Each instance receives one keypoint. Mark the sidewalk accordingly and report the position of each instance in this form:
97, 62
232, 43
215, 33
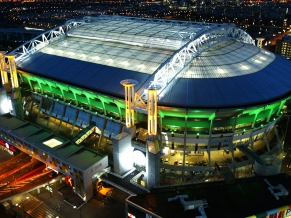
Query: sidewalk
70, 197
46, 204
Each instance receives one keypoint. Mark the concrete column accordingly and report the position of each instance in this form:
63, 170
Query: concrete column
73, 125
4, 76
266, 140
102, 132
152, 105
63, 114
260, 42
129, 98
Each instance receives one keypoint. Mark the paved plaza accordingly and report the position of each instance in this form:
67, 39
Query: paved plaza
44, 204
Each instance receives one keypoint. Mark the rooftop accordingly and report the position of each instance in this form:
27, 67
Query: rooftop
242, 198
98, 54
83, 158
75, 155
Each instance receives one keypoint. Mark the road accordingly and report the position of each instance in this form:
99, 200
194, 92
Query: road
273, 40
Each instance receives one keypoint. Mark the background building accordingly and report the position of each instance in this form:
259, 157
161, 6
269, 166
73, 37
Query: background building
283, 47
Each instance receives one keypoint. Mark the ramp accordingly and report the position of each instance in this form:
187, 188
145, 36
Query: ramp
251, 154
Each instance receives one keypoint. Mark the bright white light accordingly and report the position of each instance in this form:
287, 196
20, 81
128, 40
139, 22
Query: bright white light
52, 143
263, 58
5, 106
220, 70
96, 58
166, 150
245, 67
29, 28
258, 61
139, 158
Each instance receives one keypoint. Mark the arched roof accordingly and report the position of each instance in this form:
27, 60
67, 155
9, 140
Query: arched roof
199, 65
237, 77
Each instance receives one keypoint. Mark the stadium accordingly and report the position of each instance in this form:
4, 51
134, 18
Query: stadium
178, 97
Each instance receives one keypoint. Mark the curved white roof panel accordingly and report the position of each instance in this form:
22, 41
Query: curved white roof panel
229, 59
215, 71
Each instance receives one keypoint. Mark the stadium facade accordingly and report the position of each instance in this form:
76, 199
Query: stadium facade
155, 87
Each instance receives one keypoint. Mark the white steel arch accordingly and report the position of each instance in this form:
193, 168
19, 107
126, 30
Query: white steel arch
44, 39
203, 41
57, 33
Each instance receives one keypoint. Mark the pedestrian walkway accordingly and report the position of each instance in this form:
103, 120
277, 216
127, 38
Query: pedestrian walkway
71, 197
45, 204
28, 205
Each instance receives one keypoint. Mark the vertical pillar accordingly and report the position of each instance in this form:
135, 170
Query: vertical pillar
13, 71
260, 42
39, 108
51, 111
62, 116
152, 109
74, 123
277, 135
266, 140
129, 97
184, 146
16, 93
102, 132
280, 107
254, 120
4, 76
252, 142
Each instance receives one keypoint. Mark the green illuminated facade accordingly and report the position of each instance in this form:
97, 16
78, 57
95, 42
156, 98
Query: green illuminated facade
199, 130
